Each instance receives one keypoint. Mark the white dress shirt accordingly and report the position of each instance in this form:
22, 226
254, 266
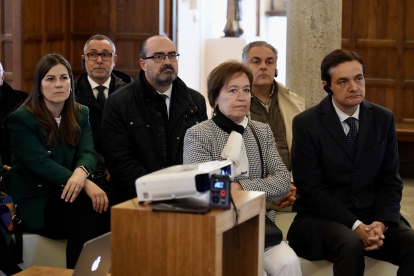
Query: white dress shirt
342, 117
94, 85
167, 99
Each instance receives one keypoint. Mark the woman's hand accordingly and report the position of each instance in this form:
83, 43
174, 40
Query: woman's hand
74, 185
100, 201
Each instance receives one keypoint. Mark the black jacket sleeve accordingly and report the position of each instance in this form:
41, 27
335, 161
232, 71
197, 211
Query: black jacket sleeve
122, 165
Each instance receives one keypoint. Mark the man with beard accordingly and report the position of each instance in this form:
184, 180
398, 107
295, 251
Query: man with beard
144, 122
100, 80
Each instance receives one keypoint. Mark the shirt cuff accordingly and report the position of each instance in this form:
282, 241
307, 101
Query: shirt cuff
356, 224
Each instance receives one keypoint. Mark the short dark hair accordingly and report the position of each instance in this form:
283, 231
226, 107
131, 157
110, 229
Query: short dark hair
99, 37
256, 44
221, 74
335, 58
142, 49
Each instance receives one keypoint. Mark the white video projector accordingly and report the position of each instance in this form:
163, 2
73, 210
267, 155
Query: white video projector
181, 181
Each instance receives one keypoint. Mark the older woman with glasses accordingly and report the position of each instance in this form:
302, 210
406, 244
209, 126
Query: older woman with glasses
52, 157
249, 144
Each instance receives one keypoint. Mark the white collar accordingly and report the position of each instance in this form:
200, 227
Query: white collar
167, 93
342, 116
94, 84
244, 122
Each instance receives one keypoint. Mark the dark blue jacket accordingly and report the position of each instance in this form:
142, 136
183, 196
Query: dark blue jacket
336, 185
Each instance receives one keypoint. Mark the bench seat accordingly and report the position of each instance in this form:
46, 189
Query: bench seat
41, 251
325, 268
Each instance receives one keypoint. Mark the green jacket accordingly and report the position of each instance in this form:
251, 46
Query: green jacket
39, 172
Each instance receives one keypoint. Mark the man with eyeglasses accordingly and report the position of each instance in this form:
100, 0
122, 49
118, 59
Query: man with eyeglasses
100, 80
145, 121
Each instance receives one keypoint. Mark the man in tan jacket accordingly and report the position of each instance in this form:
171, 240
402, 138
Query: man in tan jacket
272, 103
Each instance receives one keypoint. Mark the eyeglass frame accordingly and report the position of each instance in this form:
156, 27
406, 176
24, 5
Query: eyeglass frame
99, 55
165, 55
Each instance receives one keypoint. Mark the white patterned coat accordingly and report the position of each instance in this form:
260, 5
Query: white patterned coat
205, 142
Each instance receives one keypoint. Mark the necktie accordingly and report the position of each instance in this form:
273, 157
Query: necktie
165, 103
164, 109
352, 135
101, 97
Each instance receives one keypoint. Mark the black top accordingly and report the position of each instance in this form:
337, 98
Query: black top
10, 100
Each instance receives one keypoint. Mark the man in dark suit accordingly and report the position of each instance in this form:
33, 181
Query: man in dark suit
345, 165
10, 100
100, 80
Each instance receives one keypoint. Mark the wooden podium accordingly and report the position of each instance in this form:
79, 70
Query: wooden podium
166, 243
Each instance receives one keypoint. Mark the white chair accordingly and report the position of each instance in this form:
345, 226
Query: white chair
41, 251
316, 268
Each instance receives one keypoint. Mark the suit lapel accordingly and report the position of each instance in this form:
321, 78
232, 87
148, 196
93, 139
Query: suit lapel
365, 120
112, 87
90, 100
179, 103
331, 121
85, 94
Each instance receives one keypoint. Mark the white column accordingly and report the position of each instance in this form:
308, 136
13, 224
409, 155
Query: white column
314, 29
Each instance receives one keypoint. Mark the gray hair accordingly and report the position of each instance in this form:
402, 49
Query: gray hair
99, 37
253, 44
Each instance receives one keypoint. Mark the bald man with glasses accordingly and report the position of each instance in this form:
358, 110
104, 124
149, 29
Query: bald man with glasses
145, 121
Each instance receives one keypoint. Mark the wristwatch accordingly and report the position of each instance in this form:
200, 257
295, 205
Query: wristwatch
85, 170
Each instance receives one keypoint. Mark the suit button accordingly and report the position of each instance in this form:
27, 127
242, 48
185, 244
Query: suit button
49, 152
354, 199
39, 186
356, 169
131, 123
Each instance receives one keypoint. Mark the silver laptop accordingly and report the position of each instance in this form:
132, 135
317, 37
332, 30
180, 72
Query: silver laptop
95, 258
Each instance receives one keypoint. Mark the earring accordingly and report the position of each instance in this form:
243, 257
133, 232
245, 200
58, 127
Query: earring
215, 110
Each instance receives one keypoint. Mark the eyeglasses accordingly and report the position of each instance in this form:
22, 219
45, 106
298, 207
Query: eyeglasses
94, 56
159, 58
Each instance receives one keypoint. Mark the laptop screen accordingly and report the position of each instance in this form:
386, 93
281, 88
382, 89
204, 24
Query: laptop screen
95, 258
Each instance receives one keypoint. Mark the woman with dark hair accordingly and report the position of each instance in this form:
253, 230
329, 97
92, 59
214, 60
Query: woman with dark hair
249, 144
52, 157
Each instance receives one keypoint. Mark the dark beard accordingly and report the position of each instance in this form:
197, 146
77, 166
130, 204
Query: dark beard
166, 79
